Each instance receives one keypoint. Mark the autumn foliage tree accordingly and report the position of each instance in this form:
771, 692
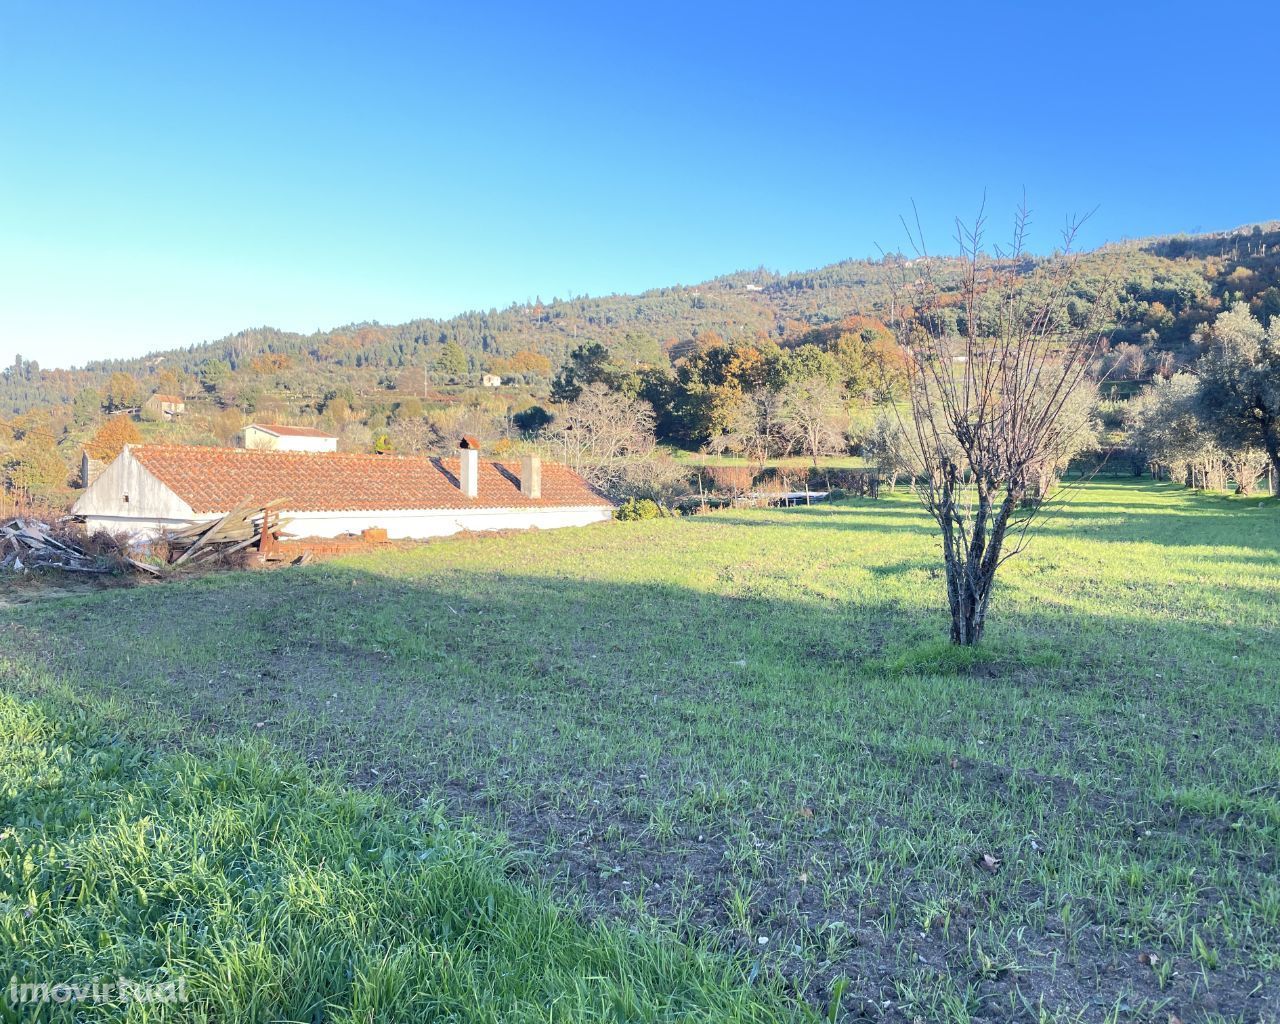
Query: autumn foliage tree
122, 392
34, 469
111, 437
524, 362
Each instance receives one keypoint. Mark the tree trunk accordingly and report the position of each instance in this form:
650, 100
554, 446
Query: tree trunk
971, 568
1271, 441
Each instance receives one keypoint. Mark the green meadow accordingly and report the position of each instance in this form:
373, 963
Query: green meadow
721, 768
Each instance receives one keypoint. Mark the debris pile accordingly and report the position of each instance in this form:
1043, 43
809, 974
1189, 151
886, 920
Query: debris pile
218, 540
30, 544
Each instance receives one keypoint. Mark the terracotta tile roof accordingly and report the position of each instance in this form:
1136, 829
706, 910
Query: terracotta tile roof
218, 479
283, 430
172, 399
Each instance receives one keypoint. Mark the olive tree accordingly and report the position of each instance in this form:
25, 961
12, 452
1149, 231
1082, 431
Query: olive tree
1179, 435
1240, 381
888, 448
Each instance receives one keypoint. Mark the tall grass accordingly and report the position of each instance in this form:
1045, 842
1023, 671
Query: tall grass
277, 895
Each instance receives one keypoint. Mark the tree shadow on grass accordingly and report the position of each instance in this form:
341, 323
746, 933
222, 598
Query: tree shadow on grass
1178, 521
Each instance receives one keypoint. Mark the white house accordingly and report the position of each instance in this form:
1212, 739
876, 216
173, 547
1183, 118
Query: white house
490, 380
150, 488
279, 437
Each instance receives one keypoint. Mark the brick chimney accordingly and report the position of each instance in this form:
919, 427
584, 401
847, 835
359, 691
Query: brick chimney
469, 475
531, 476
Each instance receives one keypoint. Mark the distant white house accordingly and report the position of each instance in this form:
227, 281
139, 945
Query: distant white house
490, 380
280, 437
150, 488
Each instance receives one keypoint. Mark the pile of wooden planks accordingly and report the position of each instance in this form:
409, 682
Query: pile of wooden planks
242, 527
27, 544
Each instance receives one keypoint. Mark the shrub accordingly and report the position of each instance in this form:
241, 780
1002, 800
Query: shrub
731, 479
635, 509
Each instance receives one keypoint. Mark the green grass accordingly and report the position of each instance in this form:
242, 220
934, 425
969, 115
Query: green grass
741, 728
274, 894
797, 462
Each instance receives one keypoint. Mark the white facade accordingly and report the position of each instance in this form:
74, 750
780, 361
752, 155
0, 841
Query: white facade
126, 498
400, 524
256, 436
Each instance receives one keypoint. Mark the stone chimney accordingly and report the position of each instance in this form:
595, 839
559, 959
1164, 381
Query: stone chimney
531, 476
469, 474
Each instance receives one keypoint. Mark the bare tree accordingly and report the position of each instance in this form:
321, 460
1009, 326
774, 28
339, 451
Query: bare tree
753, 428
987, 398
415, 434
813, 417
600, 433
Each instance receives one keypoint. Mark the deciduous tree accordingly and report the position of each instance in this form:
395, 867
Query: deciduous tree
123, 392
110, 438
813, 417
600, 433
987, 399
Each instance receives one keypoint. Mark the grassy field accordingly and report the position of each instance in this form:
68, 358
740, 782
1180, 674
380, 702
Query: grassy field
738, 729
245, 887
795, 462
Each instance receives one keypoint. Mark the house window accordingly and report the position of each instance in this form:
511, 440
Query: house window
126, 499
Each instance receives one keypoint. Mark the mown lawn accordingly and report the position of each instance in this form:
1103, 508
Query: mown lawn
742, 728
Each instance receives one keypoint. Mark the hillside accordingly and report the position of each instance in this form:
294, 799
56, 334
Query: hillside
708, 362
1161, 290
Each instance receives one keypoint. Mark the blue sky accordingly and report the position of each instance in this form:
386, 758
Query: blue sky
170, 173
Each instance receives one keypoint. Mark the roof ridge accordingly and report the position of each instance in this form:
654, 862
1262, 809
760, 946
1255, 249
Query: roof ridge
513, 460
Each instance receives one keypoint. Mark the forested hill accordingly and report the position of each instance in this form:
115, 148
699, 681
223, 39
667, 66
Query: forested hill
1162, 289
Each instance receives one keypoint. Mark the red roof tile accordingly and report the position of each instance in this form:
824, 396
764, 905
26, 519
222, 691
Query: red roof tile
218, 479
171, 399
282, 430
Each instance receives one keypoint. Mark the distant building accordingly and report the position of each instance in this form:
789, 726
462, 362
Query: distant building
151, 488
490, 380
282, 438
165, 406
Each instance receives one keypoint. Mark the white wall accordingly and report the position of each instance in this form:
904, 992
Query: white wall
257, 438
140, 528
418, 525
400, 525
126, 490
